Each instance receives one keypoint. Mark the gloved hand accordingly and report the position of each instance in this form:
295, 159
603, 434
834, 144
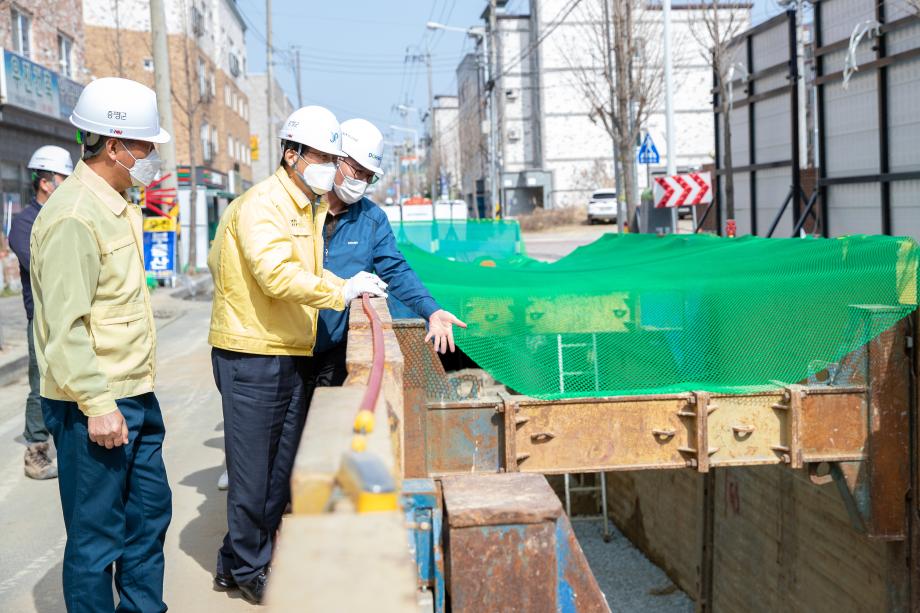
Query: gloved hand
361, 283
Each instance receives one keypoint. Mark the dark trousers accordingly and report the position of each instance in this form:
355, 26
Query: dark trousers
35, 431
117, 506
264, 405
328, 370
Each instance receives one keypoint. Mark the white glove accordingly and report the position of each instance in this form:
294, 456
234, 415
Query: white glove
364, 282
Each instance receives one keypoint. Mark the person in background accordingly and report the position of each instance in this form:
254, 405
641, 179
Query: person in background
95, 340
358, 238
49, 166
269, 281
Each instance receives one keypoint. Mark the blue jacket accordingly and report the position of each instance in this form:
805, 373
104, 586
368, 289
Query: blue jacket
363, 240
20, 233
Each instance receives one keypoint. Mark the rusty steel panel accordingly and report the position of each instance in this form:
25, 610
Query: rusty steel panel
577, 585
889, 427
604, 434
501, 542
509, 568
464, 437
746, 430
832, 426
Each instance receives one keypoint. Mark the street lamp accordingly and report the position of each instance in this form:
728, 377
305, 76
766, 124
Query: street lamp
414, 133
480, 33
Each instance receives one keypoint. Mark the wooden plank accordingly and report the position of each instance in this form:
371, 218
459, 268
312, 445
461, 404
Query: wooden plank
343, 562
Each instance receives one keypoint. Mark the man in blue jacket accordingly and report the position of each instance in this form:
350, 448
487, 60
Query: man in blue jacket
49, 166
357, 236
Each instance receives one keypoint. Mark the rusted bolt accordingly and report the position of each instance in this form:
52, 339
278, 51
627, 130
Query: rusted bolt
539, 437
742, 429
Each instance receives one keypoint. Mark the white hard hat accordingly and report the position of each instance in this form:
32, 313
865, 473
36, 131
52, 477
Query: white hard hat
315, 127
121, 108
363, 142
53, 159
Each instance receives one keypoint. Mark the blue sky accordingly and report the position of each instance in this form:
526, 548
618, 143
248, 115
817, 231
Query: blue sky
353, 51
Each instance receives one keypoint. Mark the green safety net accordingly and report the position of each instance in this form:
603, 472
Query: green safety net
469, 240
642, 314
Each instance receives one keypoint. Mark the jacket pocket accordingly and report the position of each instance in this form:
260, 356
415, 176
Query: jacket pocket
121, 338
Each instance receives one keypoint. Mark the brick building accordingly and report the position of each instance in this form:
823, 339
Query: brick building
41, 71
208, 72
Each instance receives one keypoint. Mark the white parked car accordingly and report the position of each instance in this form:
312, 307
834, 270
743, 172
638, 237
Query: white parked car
603, 206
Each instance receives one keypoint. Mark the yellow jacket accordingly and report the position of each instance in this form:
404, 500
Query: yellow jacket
95, 337
267, 265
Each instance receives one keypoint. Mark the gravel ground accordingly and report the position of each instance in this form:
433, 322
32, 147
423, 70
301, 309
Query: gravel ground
628, 579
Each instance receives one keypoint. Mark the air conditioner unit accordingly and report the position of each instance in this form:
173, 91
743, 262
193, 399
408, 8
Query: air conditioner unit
514, 134
511, 94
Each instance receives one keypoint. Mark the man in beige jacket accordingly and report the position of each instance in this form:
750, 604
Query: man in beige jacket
266, 262
96, 342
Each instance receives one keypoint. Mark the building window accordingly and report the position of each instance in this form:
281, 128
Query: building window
65, 55
22, 33
213, 86
197, 22
234, 65
148, 64
202, 80
227, 95
230, 146
206, 142
215, 141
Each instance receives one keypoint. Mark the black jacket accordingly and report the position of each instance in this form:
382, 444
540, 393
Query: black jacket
20, 232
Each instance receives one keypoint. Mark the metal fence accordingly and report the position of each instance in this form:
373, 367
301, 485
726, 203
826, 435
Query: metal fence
869, 127
764, 122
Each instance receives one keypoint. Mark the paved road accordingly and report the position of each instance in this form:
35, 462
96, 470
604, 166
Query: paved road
31, 526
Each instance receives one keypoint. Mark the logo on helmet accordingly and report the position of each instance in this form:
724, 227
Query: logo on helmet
116, 131
375, 157
334, 137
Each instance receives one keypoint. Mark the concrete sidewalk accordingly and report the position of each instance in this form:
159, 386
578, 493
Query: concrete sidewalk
14, 354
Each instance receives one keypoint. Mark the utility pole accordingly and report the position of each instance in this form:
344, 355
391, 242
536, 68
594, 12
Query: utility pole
669, 102
622, 210
432, 167
295, 49
162, 80
269, 85
494, 188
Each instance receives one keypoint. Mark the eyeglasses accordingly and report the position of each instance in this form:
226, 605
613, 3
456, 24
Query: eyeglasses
359, 172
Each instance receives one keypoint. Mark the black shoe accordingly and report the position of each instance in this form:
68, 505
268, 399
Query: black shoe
254, 590
224, 582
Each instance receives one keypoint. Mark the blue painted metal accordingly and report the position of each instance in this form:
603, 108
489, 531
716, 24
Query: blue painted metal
565, 593
422, 509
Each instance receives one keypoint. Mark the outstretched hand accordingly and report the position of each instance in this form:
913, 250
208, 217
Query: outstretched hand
441, 329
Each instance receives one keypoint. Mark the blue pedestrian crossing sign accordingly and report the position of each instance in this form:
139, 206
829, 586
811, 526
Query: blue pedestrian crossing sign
648, 152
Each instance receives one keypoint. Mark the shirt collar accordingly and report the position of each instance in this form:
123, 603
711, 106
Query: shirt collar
293, 191
96, 184
34, 202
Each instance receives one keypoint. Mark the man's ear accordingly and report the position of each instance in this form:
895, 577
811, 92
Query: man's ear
111, 148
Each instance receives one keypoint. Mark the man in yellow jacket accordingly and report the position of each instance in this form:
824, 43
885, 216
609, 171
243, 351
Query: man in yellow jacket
266, 262
95, 342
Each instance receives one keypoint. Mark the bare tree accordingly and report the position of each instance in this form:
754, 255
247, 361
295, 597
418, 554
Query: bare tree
716, 25
620, 77
193, 103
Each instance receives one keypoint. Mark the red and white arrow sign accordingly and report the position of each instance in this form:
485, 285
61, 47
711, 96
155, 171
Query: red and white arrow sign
682, 190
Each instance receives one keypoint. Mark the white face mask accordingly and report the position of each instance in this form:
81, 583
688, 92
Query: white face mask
144, 170
319, 177
351, 190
